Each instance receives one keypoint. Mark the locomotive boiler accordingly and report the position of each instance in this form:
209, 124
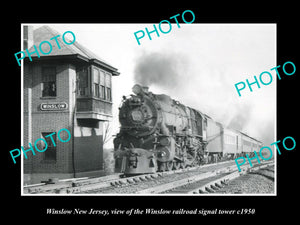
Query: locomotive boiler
158, 133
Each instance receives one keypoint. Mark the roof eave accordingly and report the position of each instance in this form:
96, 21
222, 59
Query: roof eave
105, 65
58, 57
112, 69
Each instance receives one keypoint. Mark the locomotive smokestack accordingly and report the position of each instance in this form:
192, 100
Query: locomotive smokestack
145, 89
140, 90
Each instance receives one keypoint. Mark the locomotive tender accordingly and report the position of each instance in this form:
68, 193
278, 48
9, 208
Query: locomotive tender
158, 133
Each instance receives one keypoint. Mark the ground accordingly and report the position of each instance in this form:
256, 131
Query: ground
249, 184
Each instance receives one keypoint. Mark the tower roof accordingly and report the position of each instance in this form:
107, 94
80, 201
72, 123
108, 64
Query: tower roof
45, 33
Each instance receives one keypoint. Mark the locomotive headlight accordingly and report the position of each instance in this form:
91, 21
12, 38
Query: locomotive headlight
165, 141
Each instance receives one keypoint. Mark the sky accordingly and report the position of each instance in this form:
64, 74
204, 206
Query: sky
196, 64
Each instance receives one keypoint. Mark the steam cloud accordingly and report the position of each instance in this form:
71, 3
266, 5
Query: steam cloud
160, 70
194, 83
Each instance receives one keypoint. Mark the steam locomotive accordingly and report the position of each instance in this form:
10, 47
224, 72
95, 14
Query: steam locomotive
158, 133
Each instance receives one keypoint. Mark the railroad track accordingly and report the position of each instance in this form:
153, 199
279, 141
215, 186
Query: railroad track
63, 185
199, 179
267, 172
133, 185
83, 185
205, 185
203, 180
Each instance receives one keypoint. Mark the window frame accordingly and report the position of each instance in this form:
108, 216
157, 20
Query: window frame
108, 87
83, 88
43, 82
103, 90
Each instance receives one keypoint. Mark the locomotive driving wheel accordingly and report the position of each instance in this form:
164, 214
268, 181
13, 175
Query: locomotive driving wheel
176, 165
191, 158
169, 166
182, 164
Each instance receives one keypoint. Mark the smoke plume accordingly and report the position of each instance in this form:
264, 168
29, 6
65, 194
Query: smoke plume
161, 70
205, 87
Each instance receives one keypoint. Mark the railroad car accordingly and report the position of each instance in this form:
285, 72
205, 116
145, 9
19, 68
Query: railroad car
158, 133
250, 145
214, 140
232, 143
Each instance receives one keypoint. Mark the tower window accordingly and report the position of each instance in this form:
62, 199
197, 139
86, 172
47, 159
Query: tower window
48, 82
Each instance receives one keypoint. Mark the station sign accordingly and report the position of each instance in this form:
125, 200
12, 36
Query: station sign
54, 106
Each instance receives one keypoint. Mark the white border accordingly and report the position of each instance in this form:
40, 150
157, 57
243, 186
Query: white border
162, 195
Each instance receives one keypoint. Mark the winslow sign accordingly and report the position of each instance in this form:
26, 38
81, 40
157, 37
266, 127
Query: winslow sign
53, 106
